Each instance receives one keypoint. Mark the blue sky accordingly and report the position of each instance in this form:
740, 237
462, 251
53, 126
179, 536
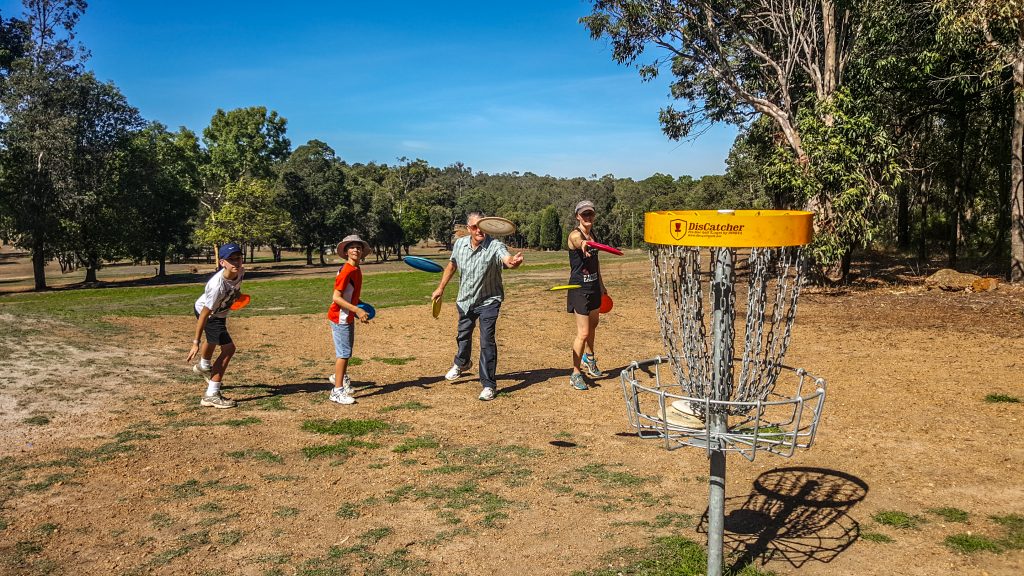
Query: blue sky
501, 87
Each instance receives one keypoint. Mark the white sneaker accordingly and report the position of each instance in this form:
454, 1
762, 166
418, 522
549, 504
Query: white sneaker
346, 383
487, 394
217, 401
455, 372
338, 395
206, 373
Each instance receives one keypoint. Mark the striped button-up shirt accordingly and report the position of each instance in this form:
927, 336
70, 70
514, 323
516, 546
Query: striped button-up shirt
479, 272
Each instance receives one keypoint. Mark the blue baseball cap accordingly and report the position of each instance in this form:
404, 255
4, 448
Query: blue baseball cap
227, 250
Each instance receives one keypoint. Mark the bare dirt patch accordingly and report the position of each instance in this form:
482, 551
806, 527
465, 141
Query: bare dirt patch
542, 480
59, 381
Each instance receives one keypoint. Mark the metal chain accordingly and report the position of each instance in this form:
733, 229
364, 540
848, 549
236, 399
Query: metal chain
772, 278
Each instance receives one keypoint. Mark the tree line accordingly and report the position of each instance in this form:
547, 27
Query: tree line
898, 123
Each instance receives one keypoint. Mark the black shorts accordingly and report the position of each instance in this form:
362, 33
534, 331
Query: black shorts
216, 330
582, 302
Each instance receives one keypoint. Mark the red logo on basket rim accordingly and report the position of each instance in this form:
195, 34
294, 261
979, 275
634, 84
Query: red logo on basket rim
677, 228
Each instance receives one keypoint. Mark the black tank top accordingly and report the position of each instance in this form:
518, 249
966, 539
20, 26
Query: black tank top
584, 270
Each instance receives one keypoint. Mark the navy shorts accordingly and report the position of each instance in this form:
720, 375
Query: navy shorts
216, 330
582, 302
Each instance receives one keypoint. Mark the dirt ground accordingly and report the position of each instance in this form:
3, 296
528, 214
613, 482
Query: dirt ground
128, 475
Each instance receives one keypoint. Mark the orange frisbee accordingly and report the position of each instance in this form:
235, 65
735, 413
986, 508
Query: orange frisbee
241, 302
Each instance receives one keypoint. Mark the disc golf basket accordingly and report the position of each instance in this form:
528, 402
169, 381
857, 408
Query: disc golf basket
726, 285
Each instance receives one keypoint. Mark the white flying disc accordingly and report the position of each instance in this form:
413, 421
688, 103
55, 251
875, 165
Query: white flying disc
495, 226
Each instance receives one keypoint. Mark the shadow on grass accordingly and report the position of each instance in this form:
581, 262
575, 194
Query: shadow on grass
528, 378
522, 380
282, 390
794, 514
421, 382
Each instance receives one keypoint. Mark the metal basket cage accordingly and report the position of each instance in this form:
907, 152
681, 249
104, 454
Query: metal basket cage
779, 424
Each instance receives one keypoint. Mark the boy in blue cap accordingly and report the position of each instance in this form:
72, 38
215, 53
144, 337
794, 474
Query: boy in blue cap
211, 310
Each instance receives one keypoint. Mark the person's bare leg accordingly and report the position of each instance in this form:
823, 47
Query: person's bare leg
207, 351
593, 319
340, 369
221, 364
582, 337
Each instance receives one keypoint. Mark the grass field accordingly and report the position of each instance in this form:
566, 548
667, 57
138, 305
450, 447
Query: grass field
108, 465
279, 297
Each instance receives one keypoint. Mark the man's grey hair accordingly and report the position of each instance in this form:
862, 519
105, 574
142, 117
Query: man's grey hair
474, 214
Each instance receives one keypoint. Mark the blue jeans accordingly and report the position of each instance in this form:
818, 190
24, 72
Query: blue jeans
488, 317
344, 335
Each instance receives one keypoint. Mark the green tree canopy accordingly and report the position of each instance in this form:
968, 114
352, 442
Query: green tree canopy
161, 182
313, 193
550, 229
38, 114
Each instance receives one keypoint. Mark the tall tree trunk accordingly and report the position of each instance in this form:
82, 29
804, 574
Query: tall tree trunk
903, 217
90, 273
1017, 175
309, 255
163, 262
845, 263
956, 204
922, 243
38, 265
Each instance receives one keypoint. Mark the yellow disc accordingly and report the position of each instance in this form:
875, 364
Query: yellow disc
728, 228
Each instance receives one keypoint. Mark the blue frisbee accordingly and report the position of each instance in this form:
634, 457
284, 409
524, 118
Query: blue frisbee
370, 312
422, 264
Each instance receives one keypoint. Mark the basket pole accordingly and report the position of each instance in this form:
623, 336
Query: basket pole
717, 417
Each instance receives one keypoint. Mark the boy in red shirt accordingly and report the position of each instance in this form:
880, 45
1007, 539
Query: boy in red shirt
343, 312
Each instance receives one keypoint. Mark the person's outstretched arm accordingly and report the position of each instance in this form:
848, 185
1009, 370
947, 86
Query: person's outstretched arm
446, 276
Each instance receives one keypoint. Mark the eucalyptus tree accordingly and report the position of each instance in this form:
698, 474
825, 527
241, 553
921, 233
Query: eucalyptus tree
37, 111
161, 180
314, 194
250, 213
550, 229
244, 143
996, 28
95, 229
783, 59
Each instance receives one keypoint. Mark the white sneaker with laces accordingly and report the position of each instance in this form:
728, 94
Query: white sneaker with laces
338, 395
487, 394
346, 383
455, 372
217, 401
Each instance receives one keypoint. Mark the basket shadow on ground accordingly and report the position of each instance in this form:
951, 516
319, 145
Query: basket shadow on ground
797, 514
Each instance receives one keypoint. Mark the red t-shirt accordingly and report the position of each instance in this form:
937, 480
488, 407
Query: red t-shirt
349, 282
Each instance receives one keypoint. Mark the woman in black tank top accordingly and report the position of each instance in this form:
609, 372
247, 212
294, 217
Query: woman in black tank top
584, 302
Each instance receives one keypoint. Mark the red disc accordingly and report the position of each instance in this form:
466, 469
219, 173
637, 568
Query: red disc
241, 302
606, 304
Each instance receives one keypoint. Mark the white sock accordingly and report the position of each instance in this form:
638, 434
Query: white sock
212, 388
204, 363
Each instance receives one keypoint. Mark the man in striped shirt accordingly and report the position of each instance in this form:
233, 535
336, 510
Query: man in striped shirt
479, 260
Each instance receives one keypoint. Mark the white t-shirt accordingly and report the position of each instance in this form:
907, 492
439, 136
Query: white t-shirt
219, 294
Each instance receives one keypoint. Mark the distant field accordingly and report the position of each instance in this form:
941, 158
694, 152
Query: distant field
285, 295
